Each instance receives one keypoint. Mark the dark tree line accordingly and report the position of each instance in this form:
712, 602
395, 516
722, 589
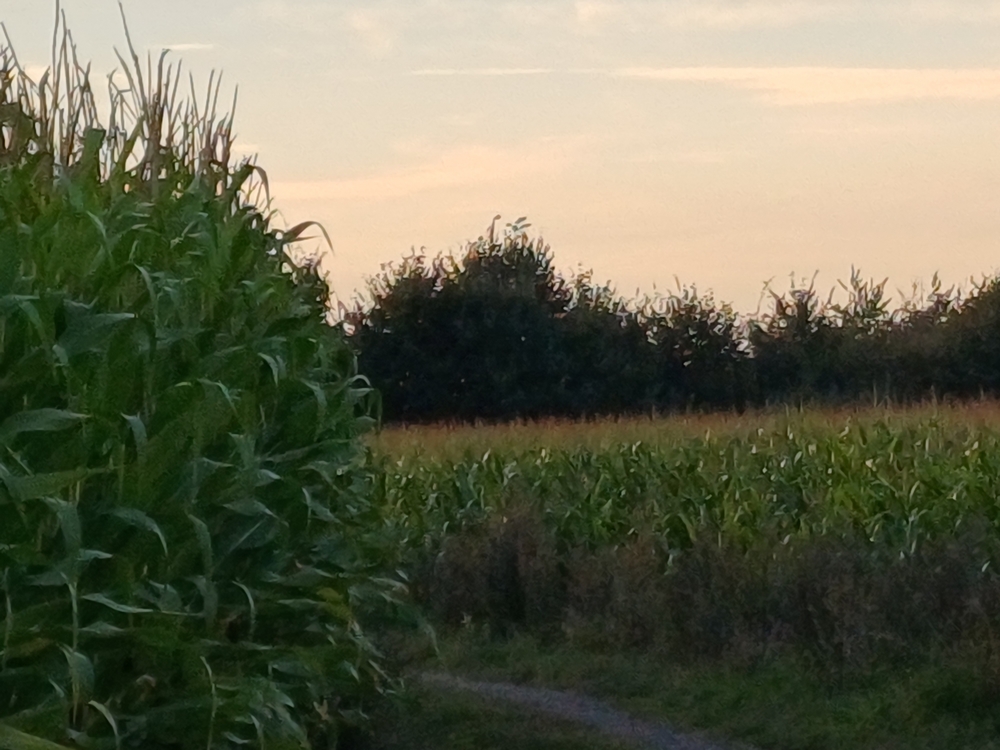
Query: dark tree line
500, 334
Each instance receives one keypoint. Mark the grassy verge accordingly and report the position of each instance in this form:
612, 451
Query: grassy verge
778, 705
427, 719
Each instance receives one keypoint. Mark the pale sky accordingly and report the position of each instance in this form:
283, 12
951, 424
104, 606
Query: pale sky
724, 142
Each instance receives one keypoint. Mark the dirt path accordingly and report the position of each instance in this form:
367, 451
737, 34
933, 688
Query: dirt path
576, 708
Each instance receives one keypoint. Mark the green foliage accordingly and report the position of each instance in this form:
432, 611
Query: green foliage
500, 334
455, 721
183, 518
782, 705
467, 339
893, 480
853, 546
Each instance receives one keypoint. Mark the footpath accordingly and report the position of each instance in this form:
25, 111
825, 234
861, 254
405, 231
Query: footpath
579, 709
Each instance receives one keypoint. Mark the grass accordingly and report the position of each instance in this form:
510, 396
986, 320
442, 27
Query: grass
781, 705
442, 720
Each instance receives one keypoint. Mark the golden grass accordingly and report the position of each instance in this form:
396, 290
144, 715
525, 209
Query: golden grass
452, 441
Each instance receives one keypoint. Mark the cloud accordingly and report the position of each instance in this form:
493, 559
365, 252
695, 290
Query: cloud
699, 157
599, 12
596, 15
272, 10
531, 13
737, 14
826, 126
461, 166
245, 149
825, 85
183, 46
373, 31
673, 156
979, 11
730, 14
479, 71
303, 16
796, 85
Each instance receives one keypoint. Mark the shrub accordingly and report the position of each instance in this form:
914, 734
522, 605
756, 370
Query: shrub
500, 334
182, 505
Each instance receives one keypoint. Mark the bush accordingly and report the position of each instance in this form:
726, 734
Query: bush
499, 335
183, 513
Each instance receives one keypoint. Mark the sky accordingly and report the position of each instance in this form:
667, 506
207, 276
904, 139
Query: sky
719, 143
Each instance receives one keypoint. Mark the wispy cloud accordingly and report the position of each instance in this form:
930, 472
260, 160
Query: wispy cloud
373, 30
183, 46
827, 85
978, 11
531, 14
461, 166
737, 14
596, 15
734, 15
480, 71
591, 13
272, 10
796, 85
699, 157
245, 149
848, 124
675, 156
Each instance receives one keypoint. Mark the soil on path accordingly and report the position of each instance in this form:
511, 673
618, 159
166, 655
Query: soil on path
577, 708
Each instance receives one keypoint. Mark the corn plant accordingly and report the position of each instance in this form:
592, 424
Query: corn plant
896, 482
183, 515
859, 545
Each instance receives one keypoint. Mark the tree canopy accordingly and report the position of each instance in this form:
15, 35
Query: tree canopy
499, 333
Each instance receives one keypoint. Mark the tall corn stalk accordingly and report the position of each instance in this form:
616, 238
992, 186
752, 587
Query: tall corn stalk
185, 533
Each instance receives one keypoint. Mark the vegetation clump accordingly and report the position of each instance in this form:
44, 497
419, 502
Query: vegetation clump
499, 334
183, 526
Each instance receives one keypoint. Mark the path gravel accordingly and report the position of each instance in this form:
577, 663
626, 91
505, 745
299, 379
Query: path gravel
577, 708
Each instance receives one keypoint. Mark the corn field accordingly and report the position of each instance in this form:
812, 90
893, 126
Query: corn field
897, 481
856, 537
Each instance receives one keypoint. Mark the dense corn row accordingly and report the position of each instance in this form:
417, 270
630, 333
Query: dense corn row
897, 480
